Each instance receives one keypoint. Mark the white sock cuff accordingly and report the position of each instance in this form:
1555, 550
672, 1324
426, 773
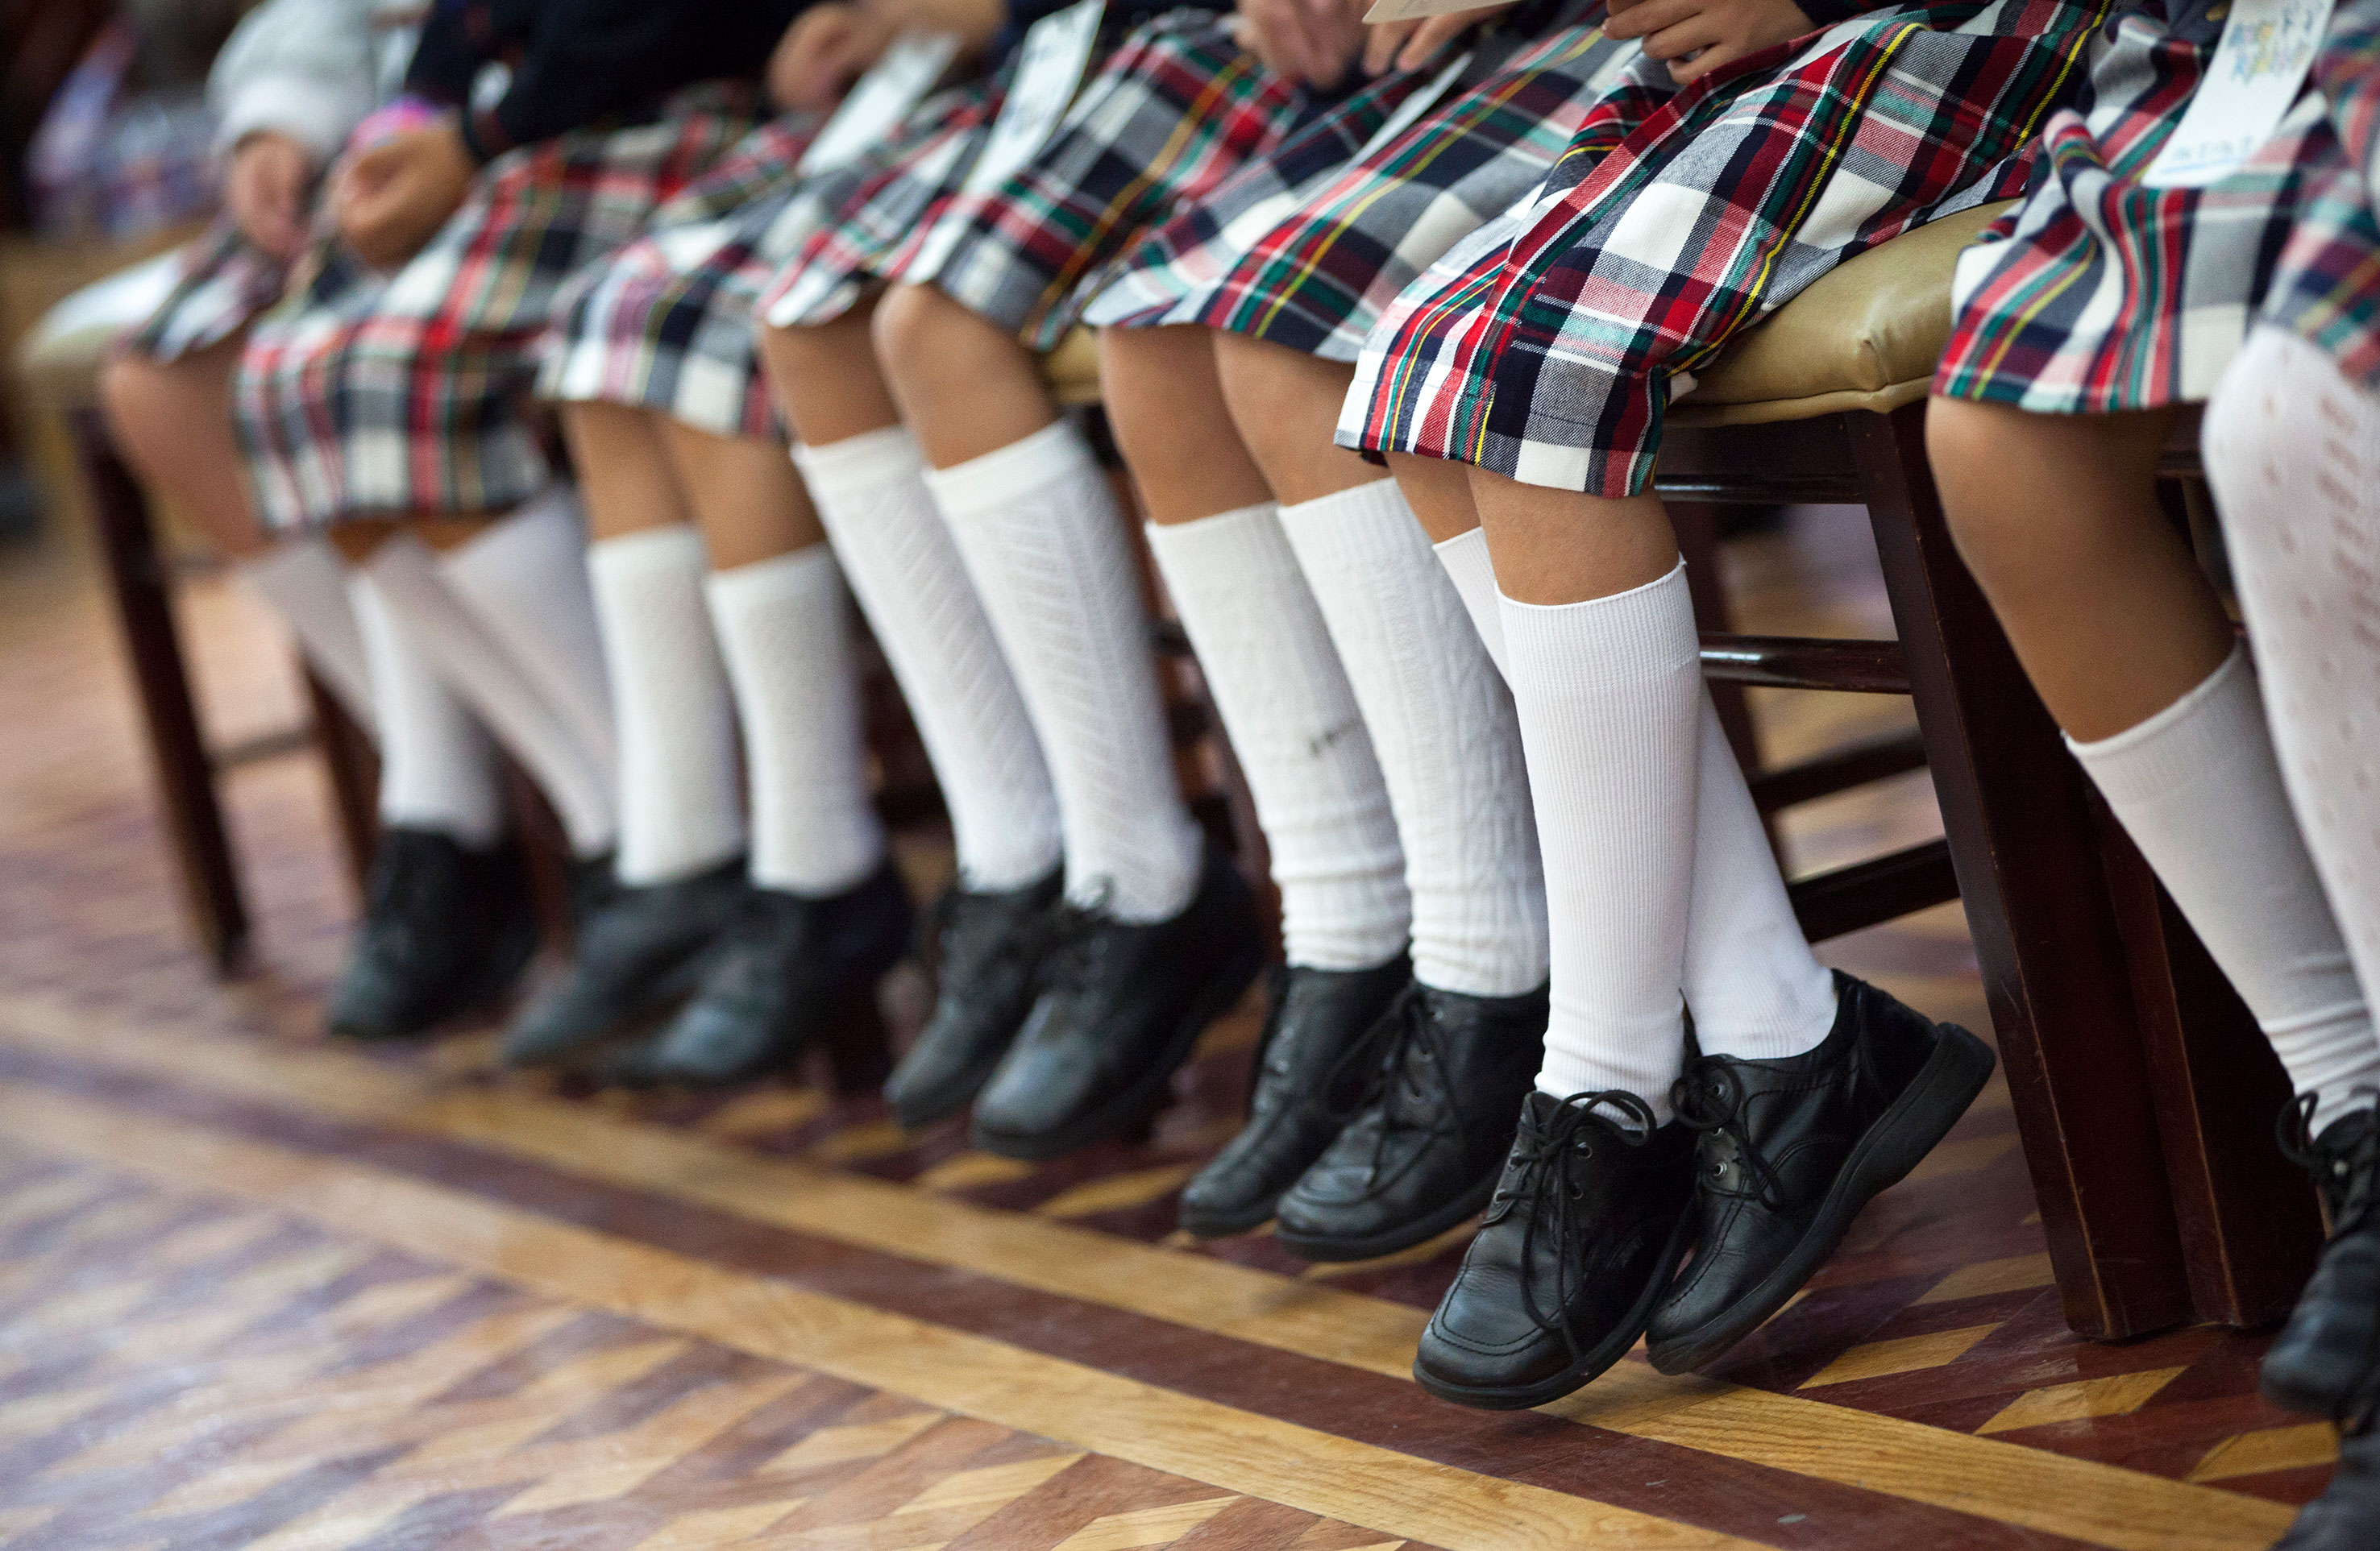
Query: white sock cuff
2217, 720
1221, 534
677, 546
865, 462
1637, 632
1466, 559
1379, 502
555, 516
998, 479
804, 573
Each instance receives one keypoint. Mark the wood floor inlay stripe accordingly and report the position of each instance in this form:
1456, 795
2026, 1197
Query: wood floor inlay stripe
2100, 1504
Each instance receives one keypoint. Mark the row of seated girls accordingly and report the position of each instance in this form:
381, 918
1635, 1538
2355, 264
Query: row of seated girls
1389, 318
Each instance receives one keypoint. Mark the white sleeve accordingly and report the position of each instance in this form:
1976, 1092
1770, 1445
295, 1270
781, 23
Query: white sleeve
301, 68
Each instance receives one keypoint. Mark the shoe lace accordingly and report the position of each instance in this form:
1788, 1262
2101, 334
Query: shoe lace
401, 893
2355, 1170
1709, 1099
1537, 1179
1406, 1034
1071, 961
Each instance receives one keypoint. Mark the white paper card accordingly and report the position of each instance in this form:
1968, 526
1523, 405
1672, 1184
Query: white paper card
2266, 49
1409, 112
882, 99
1049, 65
1414, 10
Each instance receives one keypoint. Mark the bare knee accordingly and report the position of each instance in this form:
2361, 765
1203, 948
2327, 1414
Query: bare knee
2031, 498
172, 422
1286, 406
824, 377
923, 335
1166, 407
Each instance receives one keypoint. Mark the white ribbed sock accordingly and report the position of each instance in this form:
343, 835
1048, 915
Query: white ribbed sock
1295, 726
437, 769
1608, 696
305, 582
466, 653
2197, 789
905, 568
1038, 527
2293, 451
1756, 990
681, 806
1442, 724
787, 631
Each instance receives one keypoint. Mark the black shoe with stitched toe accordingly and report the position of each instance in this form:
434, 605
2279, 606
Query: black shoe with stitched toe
1790, 1150
1305, 1090
2325, 1361
783, 974
1121, 1005
2346, 1516
1587, 1225
446, 930
1425, 1148
992, 947
640, 950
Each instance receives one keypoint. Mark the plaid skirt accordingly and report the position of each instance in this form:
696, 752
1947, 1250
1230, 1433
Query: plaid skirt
1543, 347
1309, 246
2101, 293
226, 282
370, 394
1174, 111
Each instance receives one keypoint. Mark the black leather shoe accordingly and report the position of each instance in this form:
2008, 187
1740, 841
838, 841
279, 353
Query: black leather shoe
1587, 1227
992, 951
1120, 1008
2325, 1361
1789, 1152
1307, 1090
779, 980
2346, 1516
446, 930
1430, 1136
640, 950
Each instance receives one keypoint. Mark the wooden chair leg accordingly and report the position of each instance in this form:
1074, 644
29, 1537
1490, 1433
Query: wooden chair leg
352, 762
2039, 909
144, 607
1697, 526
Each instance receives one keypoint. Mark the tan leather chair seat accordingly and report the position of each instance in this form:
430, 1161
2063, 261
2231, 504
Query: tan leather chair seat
1071, 370
59, 360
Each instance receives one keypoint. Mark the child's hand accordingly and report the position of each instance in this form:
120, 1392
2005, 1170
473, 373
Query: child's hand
264, 190
974, 21
828, 47
1699, 36
1309, 41
392, 199
1409, 45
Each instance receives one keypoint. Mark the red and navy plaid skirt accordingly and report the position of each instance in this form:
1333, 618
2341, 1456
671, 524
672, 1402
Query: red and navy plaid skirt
1543, 348
366, 393
224, 281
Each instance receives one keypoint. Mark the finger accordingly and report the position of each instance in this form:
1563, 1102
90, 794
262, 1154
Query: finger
1703, 63
1647, 17
1380, 49
1676, 42
1430, 39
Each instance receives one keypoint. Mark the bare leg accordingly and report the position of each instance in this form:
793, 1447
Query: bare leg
1165, 403
745, 494
172, 422
1286, 404
2058, 516
1439, 493
826, 379
624, 473
1554, 547
964, 384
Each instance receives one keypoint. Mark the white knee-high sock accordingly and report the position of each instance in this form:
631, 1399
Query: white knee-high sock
1441, 723
1284, 697
306, 583
681, 802
479, 666
437, 769
2290, 450
1039, 531
787, 631
1756, 990
905, 568
1608, 693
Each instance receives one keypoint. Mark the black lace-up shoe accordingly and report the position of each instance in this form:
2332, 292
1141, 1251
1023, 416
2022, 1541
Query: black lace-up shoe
1789, 1152
779, 980
1120, 1006
2326, 1360
446, 930
2346, 1516
1307, 1089
991, 949
1587, 1227
1425, 1149
640, 950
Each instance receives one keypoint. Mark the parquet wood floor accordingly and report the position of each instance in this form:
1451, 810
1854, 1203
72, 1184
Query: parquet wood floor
257, 1289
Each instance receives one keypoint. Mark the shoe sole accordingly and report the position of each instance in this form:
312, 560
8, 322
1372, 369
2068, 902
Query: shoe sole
1591, 1364
1470, 1203
1226, 1224
1222, 990
1899, 1141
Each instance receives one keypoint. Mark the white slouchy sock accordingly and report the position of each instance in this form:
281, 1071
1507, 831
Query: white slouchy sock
786, 632
1299, 737
437, 768
305, 582
681, 804
1441, 723
1045, 543
1755, 988
905, 568
1609, 695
